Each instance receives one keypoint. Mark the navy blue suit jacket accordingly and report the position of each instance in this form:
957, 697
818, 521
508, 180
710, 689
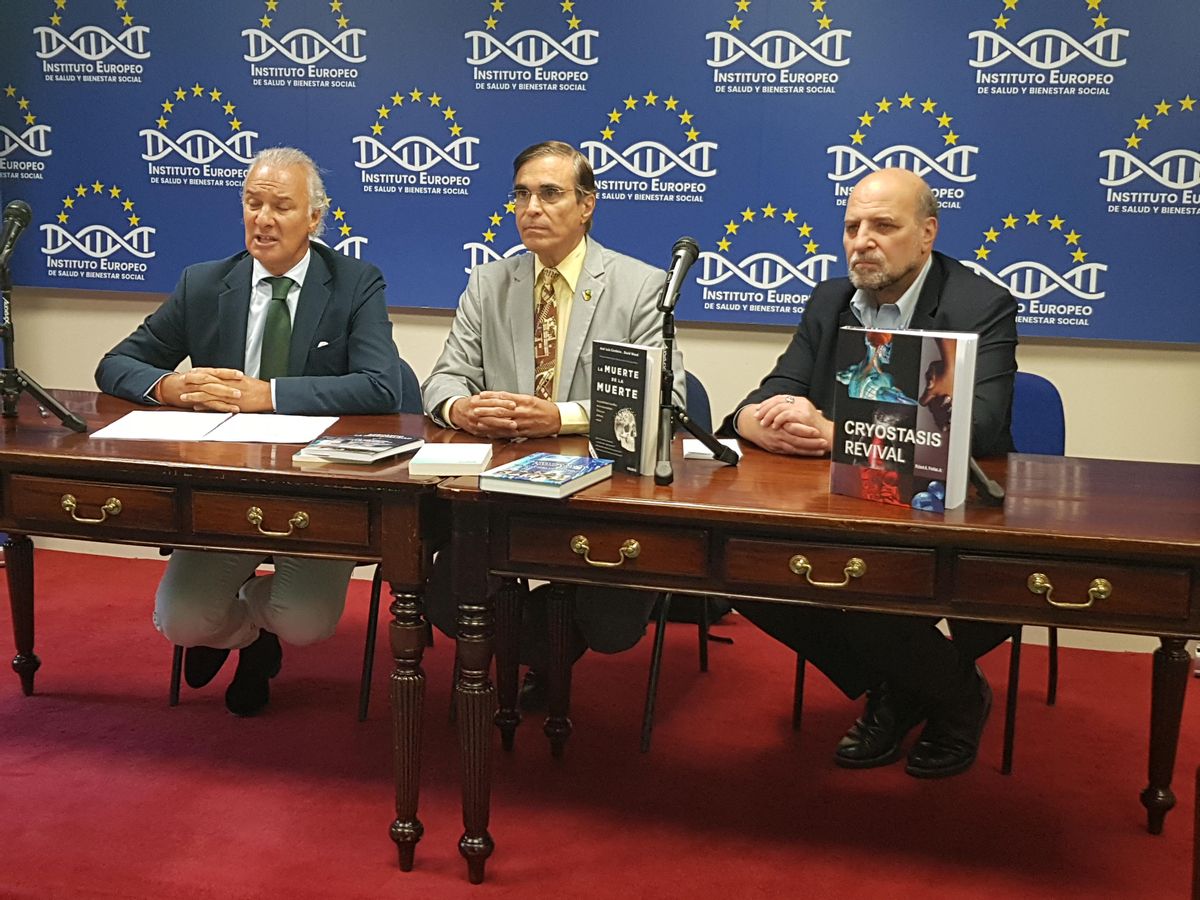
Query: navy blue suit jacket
342, 359
953, 298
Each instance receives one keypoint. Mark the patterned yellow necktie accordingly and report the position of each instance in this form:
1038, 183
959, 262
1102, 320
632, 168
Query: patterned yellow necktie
545, 335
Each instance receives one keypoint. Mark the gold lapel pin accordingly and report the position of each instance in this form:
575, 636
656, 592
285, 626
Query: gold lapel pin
587, 295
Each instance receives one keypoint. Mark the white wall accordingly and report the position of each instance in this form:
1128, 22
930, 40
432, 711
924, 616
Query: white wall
1122, 401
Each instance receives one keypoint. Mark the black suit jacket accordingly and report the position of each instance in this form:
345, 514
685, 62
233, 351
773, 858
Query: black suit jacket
342, 358
953, 299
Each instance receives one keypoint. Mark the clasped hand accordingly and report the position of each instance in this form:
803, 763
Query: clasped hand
215, 389
499, 414
786, 424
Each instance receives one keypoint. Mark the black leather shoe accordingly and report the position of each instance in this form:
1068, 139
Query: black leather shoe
201, 664
250, 690
535, 696
875, 738
950, 741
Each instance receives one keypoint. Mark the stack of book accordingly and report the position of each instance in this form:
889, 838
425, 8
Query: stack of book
356, 448
546, 475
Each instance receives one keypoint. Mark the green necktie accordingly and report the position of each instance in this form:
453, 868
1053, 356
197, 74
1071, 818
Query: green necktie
277, 331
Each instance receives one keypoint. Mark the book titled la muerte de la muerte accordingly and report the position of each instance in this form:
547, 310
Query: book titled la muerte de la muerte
902, 416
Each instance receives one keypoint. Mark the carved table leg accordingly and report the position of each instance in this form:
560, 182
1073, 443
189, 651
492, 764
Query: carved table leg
474, 692
18, 554
1166, 710
508, 622
561, 615
406, 634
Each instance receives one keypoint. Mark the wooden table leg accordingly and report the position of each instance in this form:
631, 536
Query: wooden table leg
1196, 843
560, 609
509, 600
1171, 669
474, 692
407, 638
18, 555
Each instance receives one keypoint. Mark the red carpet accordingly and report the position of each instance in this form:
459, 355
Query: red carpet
107, 792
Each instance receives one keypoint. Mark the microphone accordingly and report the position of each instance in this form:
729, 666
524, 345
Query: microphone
683, 254
17, 216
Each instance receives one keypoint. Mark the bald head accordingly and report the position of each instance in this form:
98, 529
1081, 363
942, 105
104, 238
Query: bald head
891, 223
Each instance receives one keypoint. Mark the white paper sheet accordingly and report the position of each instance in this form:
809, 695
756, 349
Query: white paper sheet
271, 428
184, 425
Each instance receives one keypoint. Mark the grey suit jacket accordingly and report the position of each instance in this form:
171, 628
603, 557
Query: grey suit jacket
490, 346
342, 360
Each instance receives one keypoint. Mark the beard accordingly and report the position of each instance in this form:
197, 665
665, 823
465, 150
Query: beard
878, 278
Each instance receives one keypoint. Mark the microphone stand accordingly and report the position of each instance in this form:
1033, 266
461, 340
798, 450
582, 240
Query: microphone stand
12, 380
670, 413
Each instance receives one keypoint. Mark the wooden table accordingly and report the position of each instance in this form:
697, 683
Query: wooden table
182, 494
1116, 546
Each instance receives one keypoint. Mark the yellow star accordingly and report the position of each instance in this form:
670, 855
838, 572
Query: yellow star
731, 227
630, 103
789, 215
1100, 21
80, 190
134, 220
692, 134
127, 20
339, 214
215, 95
824, 22
857, 137
456, 130
866, 119
614, 116
180, 94
69, 202
1010, 4
1072, 237
510, 207
449, 113
743, 5
383, 112
168, 106
265, 21
1133, 141
884, 105
811, 247
734, 24
498, 5
345, 230
685, 118
818, 5
114, 192
670, 103
162, 122
1001, 22
60, 4
928, 106
1010, 221
1142, 122
1056, 223
981, 252
1093, 4
490, 23
335, 6
30, 118
747, 215
489, 236
271, 4
724, 244
342, 21
991, 234
1033, 217
1078, 256
376, 129
496, 219
951, 138
197, 91
650, 98
567, 5
10, 91
768, 211
944, 120
97, 187
1163, 107
229, 108
573, 22
120, 4
397, 99
906, 101
126, 204
415, 94
56, 19
235, 124
22, 103
805, 229
607, 134
435, 99
1187, 103
63, 217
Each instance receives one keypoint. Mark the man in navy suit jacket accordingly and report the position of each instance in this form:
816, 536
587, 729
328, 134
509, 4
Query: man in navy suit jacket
340, 360
908, 669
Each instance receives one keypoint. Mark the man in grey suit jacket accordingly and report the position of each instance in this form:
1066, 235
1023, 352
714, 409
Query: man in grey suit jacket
490, 380
287, 326
909, 671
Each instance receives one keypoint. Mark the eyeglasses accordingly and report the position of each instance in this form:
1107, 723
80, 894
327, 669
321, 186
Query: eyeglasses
547, 196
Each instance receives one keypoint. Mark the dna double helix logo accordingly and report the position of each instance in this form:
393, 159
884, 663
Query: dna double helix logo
1031, 280
91, 42
952, 164
199, 149
1049, 49
757, 281
777, 49
87, 239
1175, 170
24, 142
526, 53
304, 46
485, 250
532, 48
346, 241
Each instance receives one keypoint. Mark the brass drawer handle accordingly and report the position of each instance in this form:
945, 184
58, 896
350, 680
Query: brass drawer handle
855, 568
111, 507
254, 516
1099, 589
628, 550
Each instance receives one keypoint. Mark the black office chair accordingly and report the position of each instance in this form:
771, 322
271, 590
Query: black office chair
1038, 426
410, 402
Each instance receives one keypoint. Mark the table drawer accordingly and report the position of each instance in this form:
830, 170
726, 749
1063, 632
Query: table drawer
984, 581
60, 503
771, 565
549, 541
308, 520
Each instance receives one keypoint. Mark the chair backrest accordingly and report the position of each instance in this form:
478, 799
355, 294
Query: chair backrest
1038, 423
410, 389
698, 408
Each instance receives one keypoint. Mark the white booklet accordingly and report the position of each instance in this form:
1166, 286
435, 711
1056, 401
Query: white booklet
185, 425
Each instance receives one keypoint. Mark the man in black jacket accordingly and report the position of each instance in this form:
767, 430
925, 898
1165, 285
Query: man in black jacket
910, 672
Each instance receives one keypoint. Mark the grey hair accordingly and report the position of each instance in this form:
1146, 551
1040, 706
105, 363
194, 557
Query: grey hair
927, 205
290, 156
